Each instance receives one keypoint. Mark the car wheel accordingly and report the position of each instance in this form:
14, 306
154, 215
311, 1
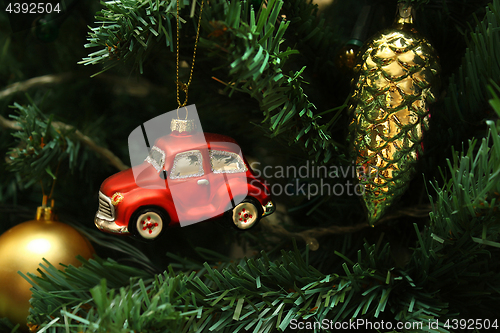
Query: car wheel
149, 223
246, 214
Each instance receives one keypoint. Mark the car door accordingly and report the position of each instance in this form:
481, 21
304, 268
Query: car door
189, 187
227, 177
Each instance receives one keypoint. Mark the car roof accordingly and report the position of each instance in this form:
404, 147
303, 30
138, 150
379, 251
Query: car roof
175, 143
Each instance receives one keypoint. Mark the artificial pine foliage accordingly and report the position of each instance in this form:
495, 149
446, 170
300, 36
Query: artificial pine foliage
265, 74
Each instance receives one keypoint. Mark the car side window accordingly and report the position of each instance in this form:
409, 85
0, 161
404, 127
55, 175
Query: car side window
187, 164
156, 158
226, 162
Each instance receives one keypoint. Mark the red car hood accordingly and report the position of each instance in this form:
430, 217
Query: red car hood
143, 175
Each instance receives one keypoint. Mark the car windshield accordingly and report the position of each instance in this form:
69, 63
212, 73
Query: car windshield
156, 158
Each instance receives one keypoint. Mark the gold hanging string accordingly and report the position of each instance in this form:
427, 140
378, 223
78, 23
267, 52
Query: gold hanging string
181, 85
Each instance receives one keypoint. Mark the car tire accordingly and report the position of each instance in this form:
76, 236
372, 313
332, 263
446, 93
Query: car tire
246, 214
149, 223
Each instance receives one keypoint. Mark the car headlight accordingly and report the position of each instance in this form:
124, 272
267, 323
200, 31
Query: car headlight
116, 198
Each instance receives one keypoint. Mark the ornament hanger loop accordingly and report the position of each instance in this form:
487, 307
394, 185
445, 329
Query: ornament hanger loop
186, 112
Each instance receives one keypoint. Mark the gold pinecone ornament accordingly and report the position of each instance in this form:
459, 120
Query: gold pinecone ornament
396, 75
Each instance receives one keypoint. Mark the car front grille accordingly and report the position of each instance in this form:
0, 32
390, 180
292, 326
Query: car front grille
106, 210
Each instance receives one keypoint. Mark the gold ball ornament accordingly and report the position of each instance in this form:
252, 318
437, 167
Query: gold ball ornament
22, 248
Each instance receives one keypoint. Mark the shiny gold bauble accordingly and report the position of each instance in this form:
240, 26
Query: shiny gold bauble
22, 249
396, 80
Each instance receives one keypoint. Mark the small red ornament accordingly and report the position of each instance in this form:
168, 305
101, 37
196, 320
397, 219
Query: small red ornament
188, 177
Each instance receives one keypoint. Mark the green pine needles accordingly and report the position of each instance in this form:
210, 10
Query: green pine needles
42, 146
257, 66
470, 198
257, 295
467, 93
129, 30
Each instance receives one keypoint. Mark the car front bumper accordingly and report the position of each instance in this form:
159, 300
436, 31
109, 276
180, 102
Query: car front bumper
105, 218
110, 226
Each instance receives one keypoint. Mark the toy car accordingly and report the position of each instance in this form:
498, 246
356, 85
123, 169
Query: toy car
185, 179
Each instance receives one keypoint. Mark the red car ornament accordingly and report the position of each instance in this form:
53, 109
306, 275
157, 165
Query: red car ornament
187, 177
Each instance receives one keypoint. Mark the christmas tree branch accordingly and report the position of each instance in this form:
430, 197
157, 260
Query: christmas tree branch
128, 30
312, 235
46, 143
466, 101
140, 87
102, 152
7, 326
257, 294
55, 290
316, 37
35, 82
9, 124
255, 63
471, 195
465, 220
